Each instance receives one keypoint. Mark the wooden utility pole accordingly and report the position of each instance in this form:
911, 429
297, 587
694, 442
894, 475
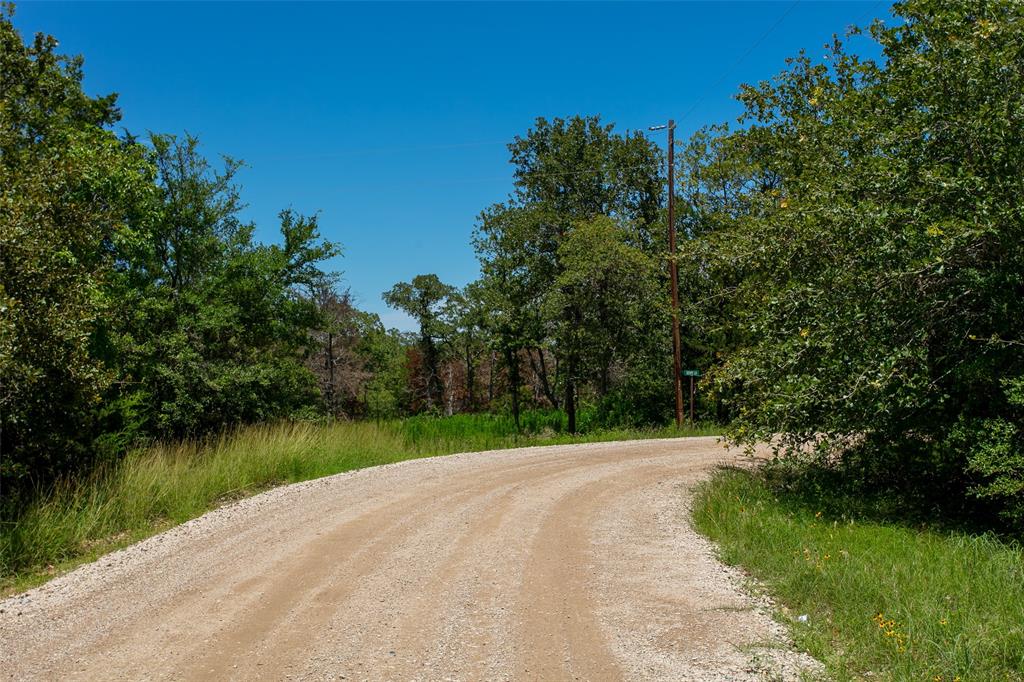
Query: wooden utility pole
673, 271
329, 366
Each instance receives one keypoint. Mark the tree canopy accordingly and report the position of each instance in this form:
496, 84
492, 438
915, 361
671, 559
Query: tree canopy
863, 229
135, 303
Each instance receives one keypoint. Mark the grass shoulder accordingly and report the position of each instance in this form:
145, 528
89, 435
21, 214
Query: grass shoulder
883, 600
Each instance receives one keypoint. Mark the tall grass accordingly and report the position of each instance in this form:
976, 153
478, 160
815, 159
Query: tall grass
883, 600
164, 485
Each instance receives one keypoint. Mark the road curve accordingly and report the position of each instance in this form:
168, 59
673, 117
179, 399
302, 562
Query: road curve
551, 563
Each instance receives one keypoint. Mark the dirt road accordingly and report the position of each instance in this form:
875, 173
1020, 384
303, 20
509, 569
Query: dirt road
566, 562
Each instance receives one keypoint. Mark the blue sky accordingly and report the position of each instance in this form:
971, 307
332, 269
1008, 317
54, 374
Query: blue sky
390, 119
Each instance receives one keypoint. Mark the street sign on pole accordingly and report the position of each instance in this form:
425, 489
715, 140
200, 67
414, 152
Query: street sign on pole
693, 374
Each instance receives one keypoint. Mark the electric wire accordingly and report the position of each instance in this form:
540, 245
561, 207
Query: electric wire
747, 53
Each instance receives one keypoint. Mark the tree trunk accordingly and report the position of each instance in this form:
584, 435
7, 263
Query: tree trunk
470, 379
512, 360
329, 362
430, 365
542, 372
570, 400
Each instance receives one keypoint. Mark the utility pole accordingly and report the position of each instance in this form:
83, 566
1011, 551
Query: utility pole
329, 362
673, 271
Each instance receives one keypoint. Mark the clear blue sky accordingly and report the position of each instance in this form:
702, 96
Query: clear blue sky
390, 119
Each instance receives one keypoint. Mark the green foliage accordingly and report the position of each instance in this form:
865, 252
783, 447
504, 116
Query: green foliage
427, 299
867, 249
994, 449
885, 601
383, 356
134, 302
551, 292
578, 169
218, 324
616, 299
68, 189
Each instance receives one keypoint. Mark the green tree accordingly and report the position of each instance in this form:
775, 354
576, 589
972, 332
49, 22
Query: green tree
70, 193
568, 171
879, 279
217, 325
509, 289
467, 310
426, 299
383, 354
720, 182
616, 293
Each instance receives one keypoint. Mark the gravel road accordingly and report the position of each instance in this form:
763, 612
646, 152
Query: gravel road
551, 563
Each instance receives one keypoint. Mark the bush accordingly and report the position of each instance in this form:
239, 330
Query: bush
994, 450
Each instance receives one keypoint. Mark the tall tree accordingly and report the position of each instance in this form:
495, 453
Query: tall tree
425, 299
216, 325
570, 171
616, 291
511, 287
880, 281
133, 300
468, 313
70, 198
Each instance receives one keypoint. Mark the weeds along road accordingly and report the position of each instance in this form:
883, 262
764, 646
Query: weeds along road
564, 562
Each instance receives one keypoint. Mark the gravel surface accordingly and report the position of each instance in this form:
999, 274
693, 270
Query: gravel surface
551, 563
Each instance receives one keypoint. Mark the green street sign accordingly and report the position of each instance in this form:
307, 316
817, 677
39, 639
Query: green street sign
691, 372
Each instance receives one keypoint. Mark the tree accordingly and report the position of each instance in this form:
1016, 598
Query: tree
468, 312
425, 299
720, 182
567, 171
383, 355
879, 278
578, 168
70, 193
216, 326
616, 293
335, 359
134, 302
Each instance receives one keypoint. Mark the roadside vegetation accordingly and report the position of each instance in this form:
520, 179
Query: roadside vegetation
883, 600
155, 488
861, 230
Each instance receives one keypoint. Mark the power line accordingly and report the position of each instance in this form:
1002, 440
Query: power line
739, 61
585, 171
869, 13
458, 145
385, 150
